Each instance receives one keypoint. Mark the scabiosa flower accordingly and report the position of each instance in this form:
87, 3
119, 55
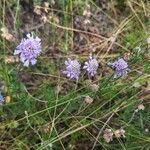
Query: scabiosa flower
29, 49
1, 99
72, 69
121, 68
91, 66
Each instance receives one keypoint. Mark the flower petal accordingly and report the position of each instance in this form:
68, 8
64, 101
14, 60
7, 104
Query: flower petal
33, 61
16, 52
26, 63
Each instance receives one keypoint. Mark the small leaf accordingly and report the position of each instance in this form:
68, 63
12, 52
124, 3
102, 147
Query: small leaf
6, 35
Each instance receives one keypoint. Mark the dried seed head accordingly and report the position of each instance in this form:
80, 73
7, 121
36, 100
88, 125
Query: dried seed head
59, 89
37, 10
108, 135
94, 87
44, 18
87, 21
11, 59
6, 35
46, 7
141, 107
87, 13
127, 56
88, 99
120, 132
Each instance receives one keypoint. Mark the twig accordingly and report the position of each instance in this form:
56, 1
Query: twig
102, 130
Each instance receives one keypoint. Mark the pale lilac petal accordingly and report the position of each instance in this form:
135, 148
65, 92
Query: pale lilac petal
26, 63
16, 52
22, 58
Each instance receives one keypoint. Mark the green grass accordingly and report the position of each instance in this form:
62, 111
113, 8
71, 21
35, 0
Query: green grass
47, 110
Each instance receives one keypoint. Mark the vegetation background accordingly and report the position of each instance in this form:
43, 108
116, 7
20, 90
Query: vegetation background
43, 110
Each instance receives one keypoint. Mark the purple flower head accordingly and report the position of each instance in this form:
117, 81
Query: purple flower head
72, 69
29, 49
121, 68
91, 66
1, 99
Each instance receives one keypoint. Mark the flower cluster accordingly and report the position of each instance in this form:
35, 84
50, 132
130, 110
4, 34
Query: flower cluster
29, 49
108, 134
73, 68
121, 68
